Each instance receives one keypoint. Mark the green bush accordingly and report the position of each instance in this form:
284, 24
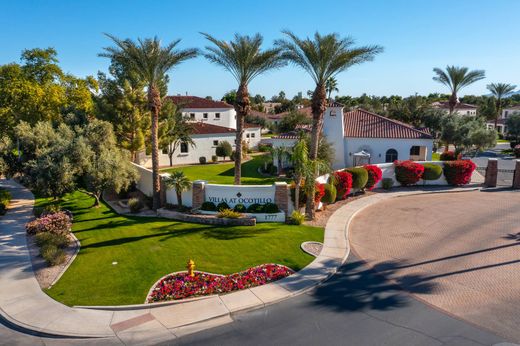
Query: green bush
228, 213
208, 206
214, 158
46, 238
224, 149
388, 183
255, 208
222, 205
431, 171
52, 254
240, 208
135, 205
263, 148
270, 208
330, 194
202, 160
359, 177
297, 218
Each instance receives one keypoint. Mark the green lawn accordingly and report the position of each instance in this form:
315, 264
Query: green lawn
502, 141
145, 249
223, 173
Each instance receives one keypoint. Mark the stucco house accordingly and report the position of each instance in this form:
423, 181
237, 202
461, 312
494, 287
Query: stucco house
462, 109
501, 123
361, 137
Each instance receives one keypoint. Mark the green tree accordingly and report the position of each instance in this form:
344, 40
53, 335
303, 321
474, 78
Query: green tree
456, 78
482, 138
223, 149
245, 60
293, 118
499, 90
151, 62
322, 57
178, 181
230, 97
331, 85
175, 129
513, 126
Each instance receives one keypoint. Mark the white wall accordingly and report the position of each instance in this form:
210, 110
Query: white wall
333, 129
144, 183
253, 136
240, 194
227, 116
377, 148
507, 112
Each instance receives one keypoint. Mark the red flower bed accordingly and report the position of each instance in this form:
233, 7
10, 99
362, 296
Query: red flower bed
408, 172
320, 192
181, 285
458, 172
375, 174
448, 156
343, 183
58, 223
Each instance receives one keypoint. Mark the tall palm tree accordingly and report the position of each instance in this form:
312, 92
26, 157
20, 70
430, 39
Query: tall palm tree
150, 61
499, 90
244, 59
331, 85
456, 78
322, 57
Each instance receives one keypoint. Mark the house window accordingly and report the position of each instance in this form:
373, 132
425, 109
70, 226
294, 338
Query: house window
415, 150
505, 114
217, 116
204, 115
184, 148
192, 116
247, 135
467, 112
215, 143
391, 155
252, 135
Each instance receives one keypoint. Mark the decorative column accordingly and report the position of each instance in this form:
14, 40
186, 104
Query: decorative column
281, 196
516, 178
491, 173
198, 193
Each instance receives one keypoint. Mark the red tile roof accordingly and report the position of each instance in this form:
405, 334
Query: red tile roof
460, 105
360, 123
197, 102
200, 128
251, 126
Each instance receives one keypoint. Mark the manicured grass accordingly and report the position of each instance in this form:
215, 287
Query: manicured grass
145, 249
502, 141
223, 173
436, 157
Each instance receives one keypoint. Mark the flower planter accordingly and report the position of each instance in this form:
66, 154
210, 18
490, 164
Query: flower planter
260, 217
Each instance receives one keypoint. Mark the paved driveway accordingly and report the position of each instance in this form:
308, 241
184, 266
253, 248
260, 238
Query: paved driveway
457, 251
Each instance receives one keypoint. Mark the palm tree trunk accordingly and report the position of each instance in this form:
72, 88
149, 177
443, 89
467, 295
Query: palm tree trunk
319, 105
499, 104
154, 103
242, 108
452, 102
298, 182
179, 198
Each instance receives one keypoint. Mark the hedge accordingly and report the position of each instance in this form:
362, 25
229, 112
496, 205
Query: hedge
330, 193
408, 172
343, 183
458, 172
359, 177
375, 174
431, 171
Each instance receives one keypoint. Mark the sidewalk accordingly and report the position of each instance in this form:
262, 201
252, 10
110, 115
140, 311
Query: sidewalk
24, 304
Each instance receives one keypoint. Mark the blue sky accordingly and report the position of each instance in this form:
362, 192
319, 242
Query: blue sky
416, 35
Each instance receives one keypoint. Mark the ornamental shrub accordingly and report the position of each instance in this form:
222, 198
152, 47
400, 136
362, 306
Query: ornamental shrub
271, 208
359, 177
5, 198
319, 192
431, 171
229, 214
343, 183
330, 193
224, 149
240, 208
52, 254
222, 205
202, 160
408, 172
388, 183
57, 223
135, 205
214, 158
448, 155
255, 208
458, 172
59, 240
375, 174
297, 218
208, 206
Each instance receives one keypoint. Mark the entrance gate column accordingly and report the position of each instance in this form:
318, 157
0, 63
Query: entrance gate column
491, 173
516, 177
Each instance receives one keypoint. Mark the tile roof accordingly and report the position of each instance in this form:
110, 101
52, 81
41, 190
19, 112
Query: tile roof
251, 126
363, 124
197, 102
460, 105
200, 128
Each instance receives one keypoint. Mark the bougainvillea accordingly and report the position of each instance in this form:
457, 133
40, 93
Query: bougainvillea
319, 192
375, 174
181, 285
458, 172
448, 156
343, 182
408, 172
57, 223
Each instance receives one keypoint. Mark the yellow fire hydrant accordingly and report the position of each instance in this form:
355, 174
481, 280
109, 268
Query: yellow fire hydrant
190, 266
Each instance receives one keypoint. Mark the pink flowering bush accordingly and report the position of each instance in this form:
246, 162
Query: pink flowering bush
57, 223
181, 285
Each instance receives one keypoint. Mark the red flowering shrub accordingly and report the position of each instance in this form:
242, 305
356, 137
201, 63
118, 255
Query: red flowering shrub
408, 172
458, 172
375, 174
57, 223
516, 151
181, 285
343, 183
448, 156
319, 192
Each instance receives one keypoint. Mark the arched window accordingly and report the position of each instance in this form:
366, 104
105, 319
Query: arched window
391, 155
184, 148
415, 150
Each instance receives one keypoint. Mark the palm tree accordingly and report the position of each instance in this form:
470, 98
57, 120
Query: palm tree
331, 85
456, 78
150, 61
322, 57
280, 153
178, 181
244, 59
499, 90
